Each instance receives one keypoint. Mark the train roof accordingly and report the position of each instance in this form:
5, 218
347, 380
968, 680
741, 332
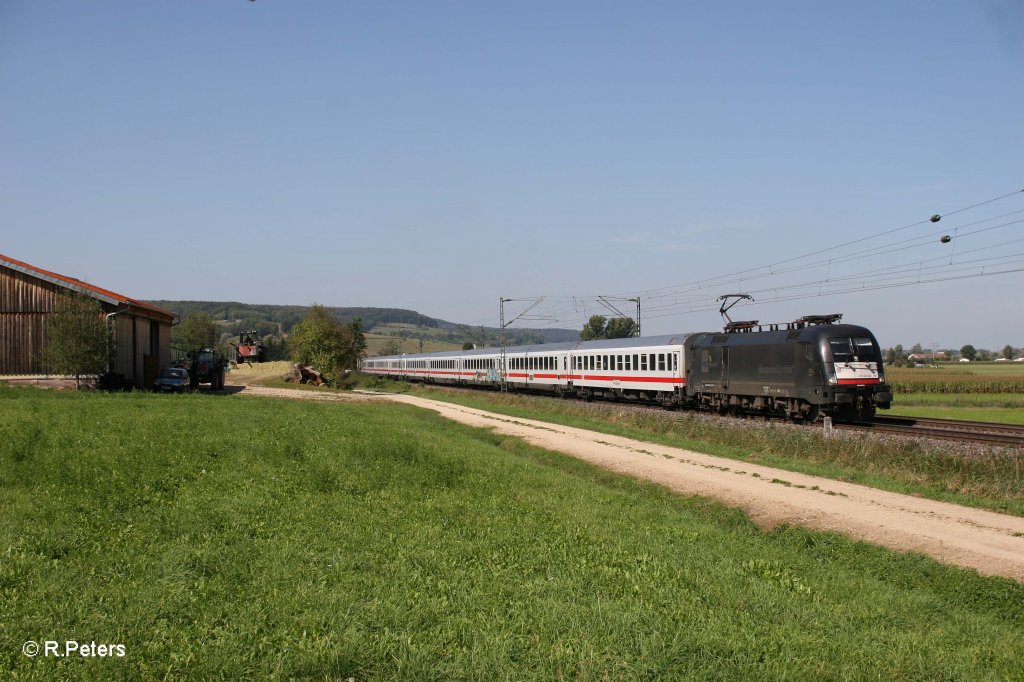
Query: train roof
600, 344
804, 334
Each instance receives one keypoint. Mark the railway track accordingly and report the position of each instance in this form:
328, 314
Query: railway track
945, 429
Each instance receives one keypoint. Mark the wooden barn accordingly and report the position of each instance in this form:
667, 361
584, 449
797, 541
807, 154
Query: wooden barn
140, 334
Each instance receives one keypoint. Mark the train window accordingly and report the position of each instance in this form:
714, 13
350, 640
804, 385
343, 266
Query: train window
643, 362
661, 362
864, 350
675, 362
841, 350
618, 363
652, 363
636, 364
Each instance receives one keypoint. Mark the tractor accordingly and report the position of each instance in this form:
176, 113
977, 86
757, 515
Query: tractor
250, 348
207, 367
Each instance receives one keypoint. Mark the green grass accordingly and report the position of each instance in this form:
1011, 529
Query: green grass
944, 471
973, 400
220, 537
1005, 408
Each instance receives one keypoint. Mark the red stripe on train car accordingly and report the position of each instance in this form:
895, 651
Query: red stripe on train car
858, 382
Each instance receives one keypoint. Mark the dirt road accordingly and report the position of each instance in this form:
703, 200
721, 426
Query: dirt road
989, 542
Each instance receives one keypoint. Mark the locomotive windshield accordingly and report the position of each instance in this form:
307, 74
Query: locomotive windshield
857, 349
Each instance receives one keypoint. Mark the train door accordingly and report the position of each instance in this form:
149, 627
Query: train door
710, 368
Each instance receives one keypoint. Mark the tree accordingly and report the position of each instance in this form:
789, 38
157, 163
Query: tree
195, 331
969, 352
594, 328
620, 328
896, 356
1008, 352
916, 349
275, 347
600, 327
392, 347
76, 338
468, 345
354, 344
323, 343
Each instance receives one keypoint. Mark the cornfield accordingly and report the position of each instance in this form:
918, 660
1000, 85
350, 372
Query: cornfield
905, 380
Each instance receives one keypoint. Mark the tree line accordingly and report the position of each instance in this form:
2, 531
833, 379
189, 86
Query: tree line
898, 357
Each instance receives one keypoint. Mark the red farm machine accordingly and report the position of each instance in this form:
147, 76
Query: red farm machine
250, 348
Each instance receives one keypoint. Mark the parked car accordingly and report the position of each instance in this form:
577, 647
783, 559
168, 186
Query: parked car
173, 380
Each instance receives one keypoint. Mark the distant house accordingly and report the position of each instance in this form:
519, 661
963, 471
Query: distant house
928, 357
140, 345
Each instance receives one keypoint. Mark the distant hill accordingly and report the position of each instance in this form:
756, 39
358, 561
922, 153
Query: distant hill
382, 322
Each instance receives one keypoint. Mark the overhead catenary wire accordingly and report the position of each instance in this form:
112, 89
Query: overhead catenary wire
837, 278
704, 282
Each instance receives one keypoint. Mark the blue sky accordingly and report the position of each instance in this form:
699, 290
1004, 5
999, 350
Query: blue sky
436, 156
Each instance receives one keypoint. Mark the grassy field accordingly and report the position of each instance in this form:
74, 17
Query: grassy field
991, 391
1006, 408
944, 470
939, 470
375, 344
225, 537
967, 378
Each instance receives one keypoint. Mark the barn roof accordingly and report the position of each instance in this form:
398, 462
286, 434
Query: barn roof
77, 285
